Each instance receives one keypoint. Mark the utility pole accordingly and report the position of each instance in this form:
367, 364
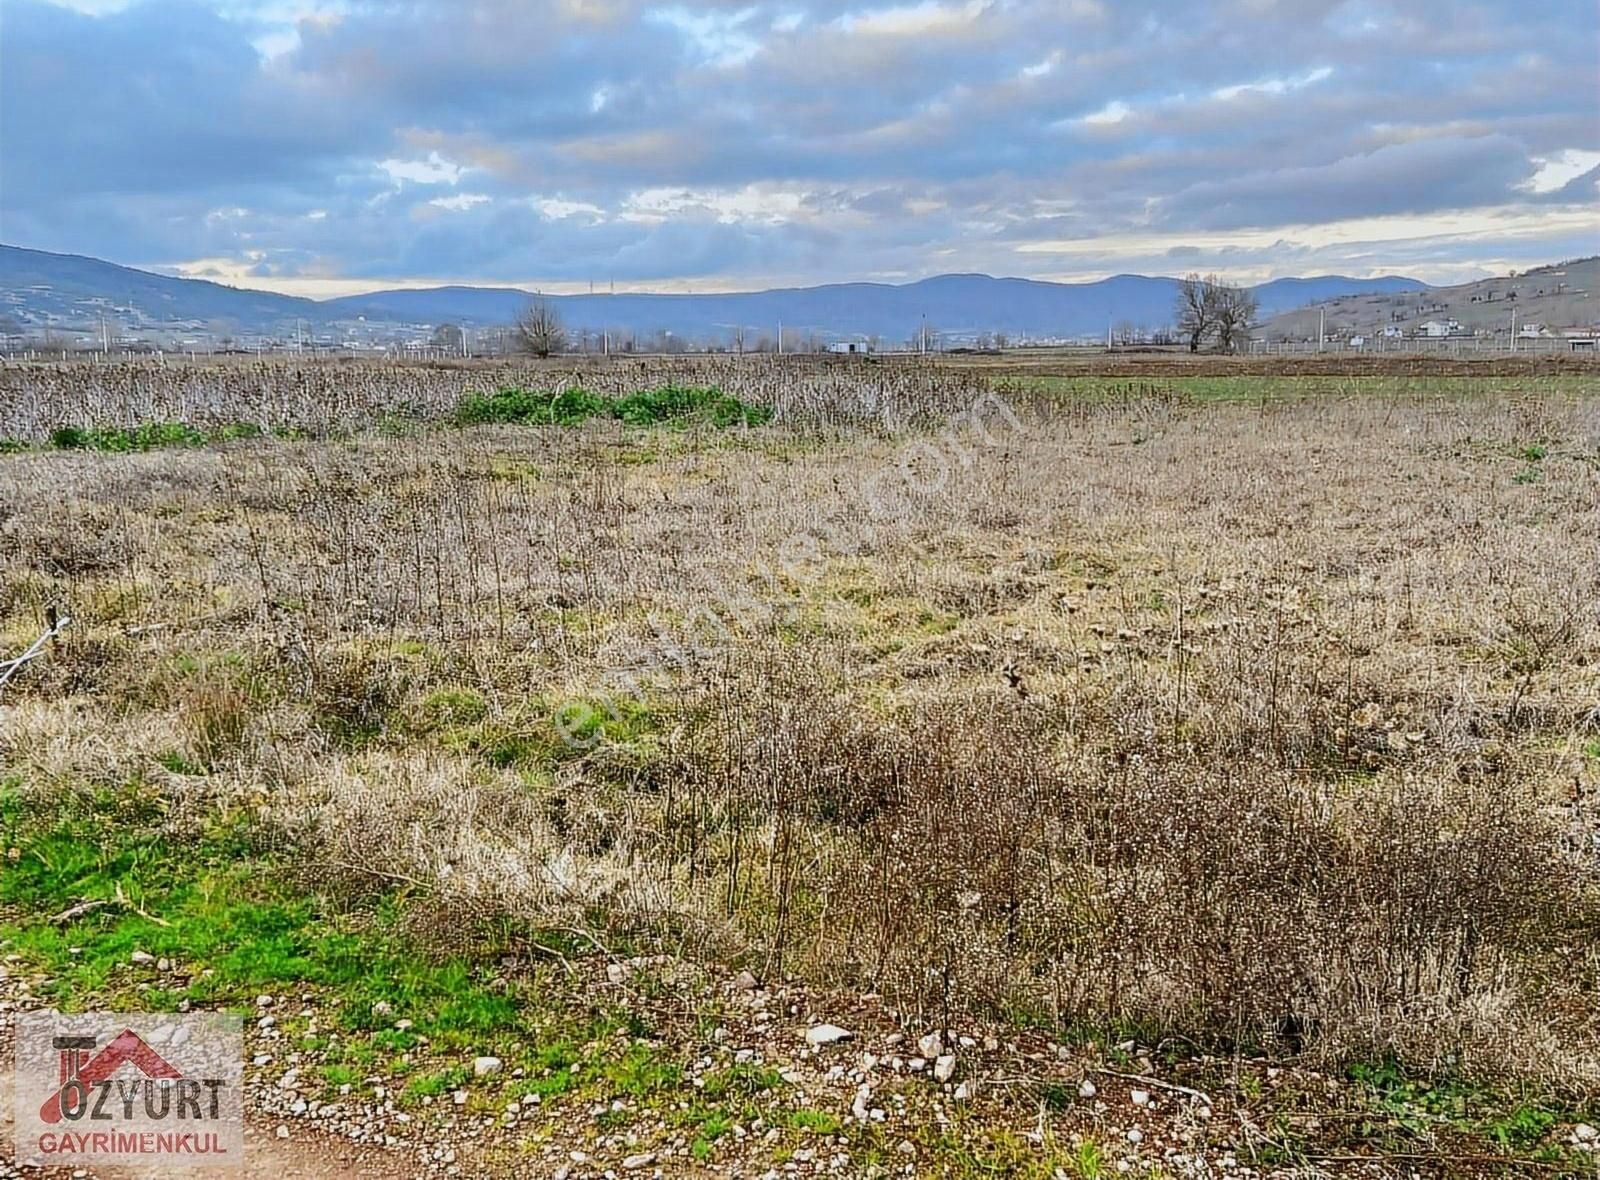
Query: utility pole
780, 337
1322, 328
1513, 329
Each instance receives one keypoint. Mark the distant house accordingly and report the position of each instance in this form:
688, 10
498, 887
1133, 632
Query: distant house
1437, 328
1532, 331
1393, 331
850, 347
1358, 342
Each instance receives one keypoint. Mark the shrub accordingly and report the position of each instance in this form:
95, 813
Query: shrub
570, 407
121, 440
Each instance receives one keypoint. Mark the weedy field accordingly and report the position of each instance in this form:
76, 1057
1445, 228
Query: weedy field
723, 767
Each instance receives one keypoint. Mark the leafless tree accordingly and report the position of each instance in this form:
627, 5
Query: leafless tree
1233, 313
1195, 310
539, 329
447, 337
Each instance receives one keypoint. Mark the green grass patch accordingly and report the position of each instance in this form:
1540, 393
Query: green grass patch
642, 1071
740, 1081
813, 1122
1258, 388
221, 904
147, 436
1414, 1108
675, 405
435, 1085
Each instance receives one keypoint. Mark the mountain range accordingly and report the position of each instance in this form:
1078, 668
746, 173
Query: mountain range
40, 290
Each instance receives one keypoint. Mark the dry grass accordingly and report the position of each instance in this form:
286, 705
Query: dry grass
1271, 724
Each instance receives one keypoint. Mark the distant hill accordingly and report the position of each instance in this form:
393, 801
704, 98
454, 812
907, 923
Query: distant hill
39, 289
1564, 295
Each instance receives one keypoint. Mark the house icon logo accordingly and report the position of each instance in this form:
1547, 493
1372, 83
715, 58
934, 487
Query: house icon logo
80, 1073
105, 1088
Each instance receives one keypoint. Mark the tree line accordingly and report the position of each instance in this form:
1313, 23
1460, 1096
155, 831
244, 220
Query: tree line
1207, 310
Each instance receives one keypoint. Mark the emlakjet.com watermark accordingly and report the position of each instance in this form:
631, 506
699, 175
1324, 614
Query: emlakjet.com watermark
119, 1087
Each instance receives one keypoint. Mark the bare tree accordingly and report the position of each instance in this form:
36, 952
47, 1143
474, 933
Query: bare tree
1233, 311
539, 329
447, 337
1195, 310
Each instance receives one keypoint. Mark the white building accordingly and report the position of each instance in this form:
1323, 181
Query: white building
1438, 328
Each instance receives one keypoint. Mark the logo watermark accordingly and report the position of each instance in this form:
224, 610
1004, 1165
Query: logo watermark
136, 1088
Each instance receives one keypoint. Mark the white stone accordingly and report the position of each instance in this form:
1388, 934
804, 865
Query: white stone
1135, 1135
643, 1160
283, 1131
1140, 1097
827, 1034
965, 1091
1087, 1089
859, 1108
141, 957
482, 1067
931, 1045
944, 1067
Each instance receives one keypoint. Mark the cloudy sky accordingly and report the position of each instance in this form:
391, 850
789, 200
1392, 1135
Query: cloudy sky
328, 146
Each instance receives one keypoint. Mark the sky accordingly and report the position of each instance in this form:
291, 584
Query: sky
326, 147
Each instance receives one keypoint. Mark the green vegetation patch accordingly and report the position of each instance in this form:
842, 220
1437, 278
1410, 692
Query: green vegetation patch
676, 405
1409, 1109
1251, 388
95, 875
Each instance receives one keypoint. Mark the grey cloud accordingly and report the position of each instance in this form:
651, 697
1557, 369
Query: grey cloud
943, 138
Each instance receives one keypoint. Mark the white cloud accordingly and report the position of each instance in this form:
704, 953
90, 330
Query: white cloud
1046, 66
460, 202
914, 19
753, 203
1561, 168
1274, 85
1109, 115
433, 170
721, 37
558, 209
